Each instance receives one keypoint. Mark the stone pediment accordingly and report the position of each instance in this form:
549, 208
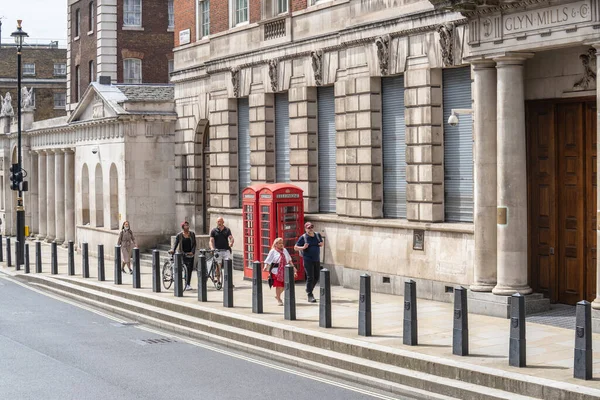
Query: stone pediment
97, 103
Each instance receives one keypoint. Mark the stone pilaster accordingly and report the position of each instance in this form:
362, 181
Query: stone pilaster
596, 302
42, 203
485, 166
224, 154
50, 197
511, 179
69, 195
358, 143
303, 144
33, 192
262, 138
59, 193
424, 145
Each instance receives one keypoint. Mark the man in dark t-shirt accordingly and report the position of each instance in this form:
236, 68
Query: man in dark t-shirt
310, 245
221, 240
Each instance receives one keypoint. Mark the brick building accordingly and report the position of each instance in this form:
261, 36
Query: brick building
129, 40
350, 100
44, 68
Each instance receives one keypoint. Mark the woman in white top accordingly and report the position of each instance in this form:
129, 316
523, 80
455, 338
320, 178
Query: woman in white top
277, 259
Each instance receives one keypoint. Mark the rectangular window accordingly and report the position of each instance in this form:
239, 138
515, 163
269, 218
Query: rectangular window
204, 7
91, 15
77, 22
32, 98
243, 145
132, 13
171, 12
240, 11
282, 6
77, 83
393, 147
92, 76
458, 146
60, 69
282, 138
171, 66
132, 70
60, 100
28, 69
327, 149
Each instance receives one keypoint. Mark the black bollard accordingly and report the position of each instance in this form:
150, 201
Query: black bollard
118, 278
71, 258
583, 367
101, 271
156, 271
289, 298
177, 275
202, 294
410, 334
38, 257
1, 250
517, 349
364, 306
54, 260
257, 292
460, 333
228, 284
27, 269
137, 278
325, 299
17, 264
8, 254
85, 260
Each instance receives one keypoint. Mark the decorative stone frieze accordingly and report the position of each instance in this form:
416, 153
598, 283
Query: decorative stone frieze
262, 138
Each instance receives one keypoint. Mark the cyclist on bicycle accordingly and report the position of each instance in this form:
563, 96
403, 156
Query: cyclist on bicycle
221, 240
185, 242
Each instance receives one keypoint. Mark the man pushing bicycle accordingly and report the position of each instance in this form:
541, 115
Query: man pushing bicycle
221, 241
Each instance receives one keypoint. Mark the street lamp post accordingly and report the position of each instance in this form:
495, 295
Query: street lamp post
19, 36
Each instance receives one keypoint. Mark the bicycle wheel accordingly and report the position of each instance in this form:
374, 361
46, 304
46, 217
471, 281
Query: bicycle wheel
218, 285
167, 275
184, 276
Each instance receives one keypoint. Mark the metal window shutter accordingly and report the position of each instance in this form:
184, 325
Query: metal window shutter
282, 138
327, 149
243, 144
394, 147
458, 146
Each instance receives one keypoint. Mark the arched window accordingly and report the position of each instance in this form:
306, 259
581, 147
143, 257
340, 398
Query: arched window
114, 197
85, 195
99, 197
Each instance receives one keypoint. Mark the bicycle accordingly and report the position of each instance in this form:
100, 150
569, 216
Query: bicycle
212, 259
168, 269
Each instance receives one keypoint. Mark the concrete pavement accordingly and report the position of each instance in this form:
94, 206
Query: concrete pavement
549, 349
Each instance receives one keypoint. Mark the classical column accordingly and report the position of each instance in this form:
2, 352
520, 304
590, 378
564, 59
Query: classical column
50, 198
59, 193
511, 176
33, 192
596, 302
484, 148
42, 204
69, 195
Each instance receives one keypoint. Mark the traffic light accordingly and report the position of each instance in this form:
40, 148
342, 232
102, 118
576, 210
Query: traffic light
16, 177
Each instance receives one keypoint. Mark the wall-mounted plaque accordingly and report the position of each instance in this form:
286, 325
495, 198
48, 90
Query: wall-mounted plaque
418, 239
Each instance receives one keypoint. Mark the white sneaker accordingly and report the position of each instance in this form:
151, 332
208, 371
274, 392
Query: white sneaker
188, 287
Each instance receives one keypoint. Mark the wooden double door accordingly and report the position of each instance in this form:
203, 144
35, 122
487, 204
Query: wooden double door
561, 148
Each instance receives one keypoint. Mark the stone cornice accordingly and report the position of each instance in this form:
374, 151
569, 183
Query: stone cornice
473, 8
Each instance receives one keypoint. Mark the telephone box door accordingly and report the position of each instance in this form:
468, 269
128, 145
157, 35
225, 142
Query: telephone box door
289, 216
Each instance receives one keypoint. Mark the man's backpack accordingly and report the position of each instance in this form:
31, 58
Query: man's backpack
305, 236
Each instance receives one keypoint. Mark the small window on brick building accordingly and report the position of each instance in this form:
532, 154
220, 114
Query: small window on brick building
282, 6
203, 18
132, 70
28, 69
32, 98
240, 11
91, 15
60, 69
171, 66
77, 83
92, 77
77, 22
171, 11
60, 100
132, 13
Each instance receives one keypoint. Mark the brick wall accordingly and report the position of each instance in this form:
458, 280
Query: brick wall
83, 50
185, 18
254, 6
299, 4
155, 42
219, 16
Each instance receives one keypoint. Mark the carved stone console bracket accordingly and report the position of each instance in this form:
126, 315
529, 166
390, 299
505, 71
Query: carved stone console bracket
383, 53
446, 32
317, 65
235, 81
273, 66
589, 66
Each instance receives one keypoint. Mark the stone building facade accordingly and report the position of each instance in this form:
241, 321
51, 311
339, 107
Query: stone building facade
43, 70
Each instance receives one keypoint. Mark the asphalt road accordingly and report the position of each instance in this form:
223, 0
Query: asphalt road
51, 349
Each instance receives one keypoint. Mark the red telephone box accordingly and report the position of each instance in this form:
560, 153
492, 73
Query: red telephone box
280, 214
250, 225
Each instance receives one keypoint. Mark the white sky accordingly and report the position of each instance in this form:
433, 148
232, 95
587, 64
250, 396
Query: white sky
43, 20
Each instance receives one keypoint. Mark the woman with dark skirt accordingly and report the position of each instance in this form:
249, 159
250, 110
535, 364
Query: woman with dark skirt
275, 262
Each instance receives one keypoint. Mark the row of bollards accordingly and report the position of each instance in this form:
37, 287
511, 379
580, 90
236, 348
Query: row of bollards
460, 332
